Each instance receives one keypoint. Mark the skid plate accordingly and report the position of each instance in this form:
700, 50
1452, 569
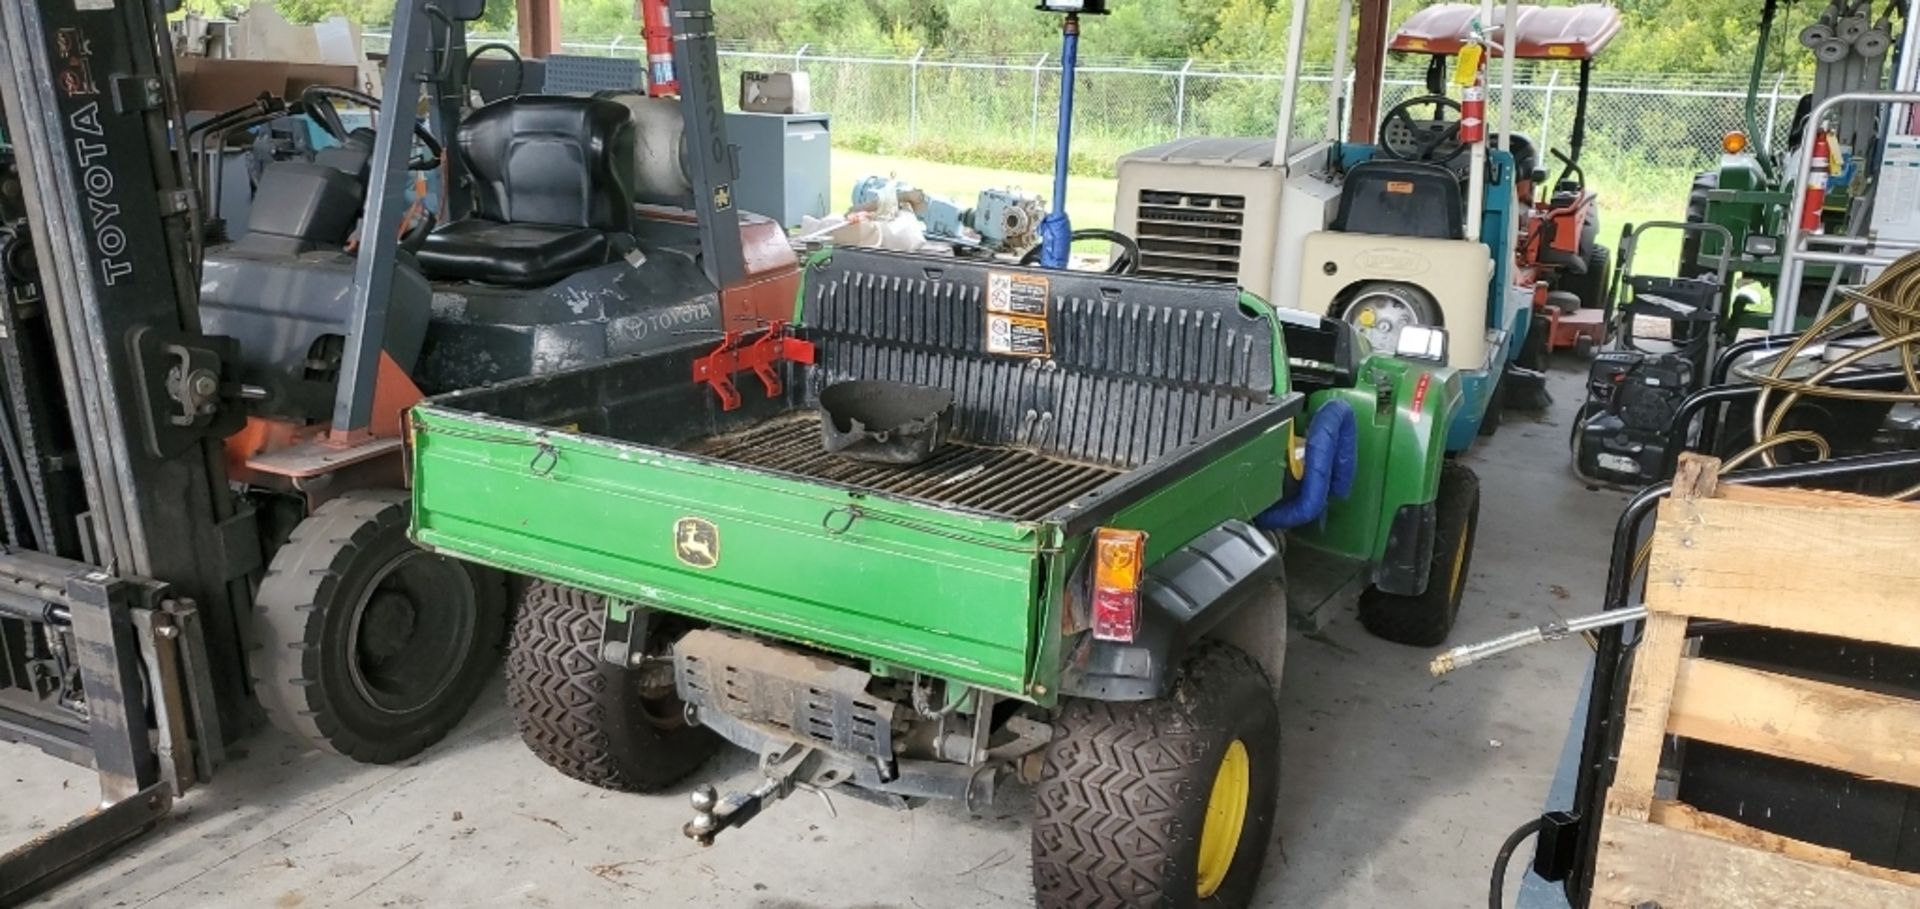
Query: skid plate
789, 693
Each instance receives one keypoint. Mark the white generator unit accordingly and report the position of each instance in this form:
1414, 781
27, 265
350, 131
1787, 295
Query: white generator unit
1218, 210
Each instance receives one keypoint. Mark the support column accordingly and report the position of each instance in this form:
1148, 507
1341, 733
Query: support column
539, 27
1369, 68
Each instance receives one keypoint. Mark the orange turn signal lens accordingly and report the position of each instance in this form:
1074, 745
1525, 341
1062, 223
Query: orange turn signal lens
1734, 142
1119, 557
1118, 554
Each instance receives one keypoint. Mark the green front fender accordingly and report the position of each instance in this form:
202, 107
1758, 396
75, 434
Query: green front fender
1403, 411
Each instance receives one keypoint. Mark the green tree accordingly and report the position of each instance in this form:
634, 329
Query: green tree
1665, 36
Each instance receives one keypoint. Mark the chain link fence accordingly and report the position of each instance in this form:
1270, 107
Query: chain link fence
1647, 134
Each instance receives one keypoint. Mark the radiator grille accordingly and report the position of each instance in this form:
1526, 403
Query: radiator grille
1009, 482
1190, 236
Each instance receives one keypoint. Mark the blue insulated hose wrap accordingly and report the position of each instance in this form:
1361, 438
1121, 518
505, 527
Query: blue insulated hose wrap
1333, 456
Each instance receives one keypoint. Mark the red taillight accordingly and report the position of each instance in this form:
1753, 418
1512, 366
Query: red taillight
1118, 557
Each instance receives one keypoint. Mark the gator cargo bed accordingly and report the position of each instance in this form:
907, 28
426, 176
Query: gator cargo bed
1006, 482
1127, 403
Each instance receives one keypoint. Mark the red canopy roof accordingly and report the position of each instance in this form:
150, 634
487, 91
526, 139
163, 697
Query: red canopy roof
1546, 32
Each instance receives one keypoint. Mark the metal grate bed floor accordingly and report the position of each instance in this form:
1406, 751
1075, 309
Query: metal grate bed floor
1010, 482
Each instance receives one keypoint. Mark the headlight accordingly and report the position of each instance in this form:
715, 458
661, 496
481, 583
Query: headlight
1421, 342
1761, 246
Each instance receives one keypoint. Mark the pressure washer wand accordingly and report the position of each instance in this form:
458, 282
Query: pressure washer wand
1469, 654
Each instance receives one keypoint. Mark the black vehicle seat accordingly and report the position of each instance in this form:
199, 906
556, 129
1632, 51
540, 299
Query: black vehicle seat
1402, 199
552, 180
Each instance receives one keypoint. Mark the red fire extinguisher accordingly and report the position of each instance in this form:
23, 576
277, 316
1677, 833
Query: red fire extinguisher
662, 81
1473, 113
1816, 198
1470, 73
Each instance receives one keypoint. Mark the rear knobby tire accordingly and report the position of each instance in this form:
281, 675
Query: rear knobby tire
1599, 276
364, 644
1690, 243
1426, 619
1591, 288
585, 717
1124, 794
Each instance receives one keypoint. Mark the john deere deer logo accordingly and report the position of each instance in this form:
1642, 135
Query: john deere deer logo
696, 542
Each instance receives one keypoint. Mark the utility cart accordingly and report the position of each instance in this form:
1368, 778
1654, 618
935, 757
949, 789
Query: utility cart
1075, 588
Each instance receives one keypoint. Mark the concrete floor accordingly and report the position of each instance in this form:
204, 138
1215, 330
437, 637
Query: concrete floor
1397, 787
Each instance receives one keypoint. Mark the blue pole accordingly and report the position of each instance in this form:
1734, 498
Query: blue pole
1056, 231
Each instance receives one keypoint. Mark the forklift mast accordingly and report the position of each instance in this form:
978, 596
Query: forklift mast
712, 162
138, 583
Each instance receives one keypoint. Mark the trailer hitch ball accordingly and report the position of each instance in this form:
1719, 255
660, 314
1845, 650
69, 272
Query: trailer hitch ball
704, 825
713, 814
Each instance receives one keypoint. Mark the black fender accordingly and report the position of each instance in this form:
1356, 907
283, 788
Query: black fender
1404, 567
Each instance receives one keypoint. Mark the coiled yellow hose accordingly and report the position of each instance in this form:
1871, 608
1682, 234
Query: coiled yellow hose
1892, 305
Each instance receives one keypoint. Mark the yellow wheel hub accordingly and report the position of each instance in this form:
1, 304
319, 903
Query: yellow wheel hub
1460, 562
1296, 452
1226, 816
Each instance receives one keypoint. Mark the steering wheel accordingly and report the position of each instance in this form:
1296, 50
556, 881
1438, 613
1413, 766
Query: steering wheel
318, 100
1573, 172
1125, 262
1435, 140
519, 65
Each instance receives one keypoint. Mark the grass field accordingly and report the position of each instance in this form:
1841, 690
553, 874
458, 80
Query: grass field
1090, 200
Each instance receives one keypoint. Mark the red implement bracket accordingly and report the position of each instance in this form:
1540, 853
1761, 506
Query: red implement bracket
772, 346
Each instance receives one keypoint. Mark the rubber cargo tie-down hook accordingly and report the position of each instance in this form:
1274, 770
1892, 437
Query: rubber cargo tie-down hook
851, 514
544, 460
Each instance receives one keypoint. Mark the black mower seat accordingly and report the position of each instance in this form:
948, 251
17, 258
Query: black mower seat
552, 180
1402, 199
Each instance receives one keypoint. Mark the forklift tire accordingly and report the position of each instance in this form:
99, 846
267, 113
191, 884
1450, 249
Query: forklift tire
350, 613
585, 717
1426, 620
1168, 802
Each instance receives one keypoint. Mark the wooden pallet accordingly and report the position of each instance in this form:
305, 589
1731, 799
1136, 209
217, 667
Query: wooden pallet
1795, 560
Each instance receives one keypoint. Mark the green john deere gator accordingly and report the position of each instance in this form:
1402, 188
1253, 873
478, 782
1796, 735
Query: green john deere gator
1074, 590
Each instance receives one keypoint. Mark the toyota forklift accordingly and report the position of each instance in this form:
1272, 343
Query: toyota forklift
203, 488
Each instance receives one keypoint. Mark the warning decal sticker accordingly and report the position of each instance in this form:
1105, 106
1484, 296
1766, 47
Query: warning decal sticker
1017, 336
1017, 295
1017, 315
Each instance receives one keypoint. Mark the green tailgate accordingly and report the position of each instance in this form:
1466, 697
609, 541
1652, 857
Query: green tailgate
898, 582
